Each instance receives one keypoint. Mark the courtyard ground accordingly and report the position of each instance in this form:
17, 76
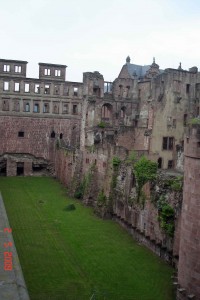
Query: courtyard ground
74, 254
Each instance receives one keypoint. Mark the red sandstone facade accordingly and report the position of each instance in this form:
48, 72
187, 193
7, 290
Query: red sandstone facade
72, 129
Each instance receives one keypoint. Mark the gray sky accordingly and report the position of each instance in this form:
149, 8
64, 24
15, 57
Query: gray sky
91, 35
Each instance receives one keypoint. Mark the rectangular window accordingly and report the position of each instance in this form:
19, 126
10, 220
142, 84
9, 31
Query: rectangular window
65, 108
57, 72
46, 108
75, 91
16, 88
174, 123
6, 68
87, 160
170, 164
18, 69
185, 120
36, 108
6, 86
21, 134
75, 109
47, 72
47, 89
168, 143
187, 88
26, 107
27, 87
56, 89
37, 88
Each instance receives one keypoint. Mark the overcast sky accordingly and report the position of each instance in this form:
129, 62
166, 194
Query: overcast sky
91, 35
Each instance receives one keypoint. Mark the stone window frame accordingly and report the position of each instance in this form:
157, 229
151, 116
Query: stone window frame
18, 69
6, 85
47, 72
26, 84
57, 72
6, 68
16, 86
168, 143
36, 104
65, 111
46, 108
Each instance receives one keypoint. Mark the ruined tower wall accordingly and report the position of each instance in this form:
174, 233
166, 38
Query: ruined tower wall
189, 263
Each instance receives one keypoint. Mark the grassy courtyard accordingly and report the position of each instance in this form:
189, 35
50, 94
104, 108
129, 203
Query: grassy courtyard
73, 254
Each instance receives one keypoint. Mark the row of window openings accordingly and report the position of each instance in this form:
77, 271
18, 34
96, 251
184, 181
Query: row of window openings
18, 69
48, 72
36, 108
170, 164
53, 134
37, 88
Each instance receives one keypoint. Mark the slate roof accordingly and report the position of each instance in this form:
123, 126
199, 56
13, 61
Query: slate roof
140, 71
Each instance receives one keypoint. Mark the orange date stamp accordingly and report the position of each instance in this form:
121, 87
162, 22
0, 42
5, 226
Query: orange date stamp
8, 264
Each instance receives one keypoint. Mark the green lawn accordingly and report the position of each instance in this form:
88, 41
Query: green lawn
68, 254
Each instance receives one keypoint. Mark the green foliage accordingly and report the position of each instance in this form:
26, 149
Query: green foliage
194, 121
177, 184
102, 124
101, 198
145, 170
79, 193
166, 219
132, 157
116, 161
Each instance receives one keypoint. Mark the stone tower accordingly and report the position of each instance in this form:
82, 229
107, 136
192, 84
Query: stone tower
189, 255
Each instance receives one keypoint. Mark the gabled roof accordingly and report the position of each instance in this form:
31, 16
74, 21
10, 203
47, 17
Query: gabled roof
138, 70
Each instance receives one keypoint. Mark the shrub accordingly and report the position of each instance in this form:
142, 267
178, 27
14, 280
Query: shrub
116, 161
102, 124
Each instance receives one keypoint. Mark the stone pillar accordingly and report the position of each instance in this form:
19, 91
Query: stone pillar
189, 254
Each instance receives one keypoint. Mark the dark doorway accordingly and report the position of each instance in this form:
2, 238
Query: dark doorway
3, 170
160, 163
20, 169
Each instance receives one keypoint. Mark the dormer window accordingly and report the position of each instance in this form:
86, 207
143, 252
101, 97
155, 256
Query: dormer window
57, 73
6, 68
47, 72
18, 69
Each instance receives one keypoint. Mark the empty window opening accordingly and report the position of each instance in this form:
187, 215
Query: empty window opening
187, 140
47, 89
160, 163
6, 68
53, 134
198, 144
56, 89
36, 108
120, 90
127, 91
75, 109
16, 106
65, 109
38, 168
106, 112
47, 72
16, 88
6, 86
21, 134
20, 169
87, 160
27, 88
57, 72
61, 136
170, 164
55, 109
27, 107
46, 108
75, 91
5, 105
122, 112
139, 93
18, 69
3, 169
168, 143
197, 111
95, 162
185, 120
97, 91
174, 123
37, 88
107, 87
133, 181
187, 88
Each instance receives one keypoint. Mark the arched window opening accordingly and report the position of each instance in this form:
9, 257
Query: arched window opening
106, 113
53, 134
